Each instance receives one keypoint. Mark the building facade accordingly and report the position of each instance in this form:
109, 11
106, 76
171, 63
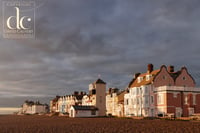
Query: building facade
115, 102
96, 98
161, 92
30, 107
83, 111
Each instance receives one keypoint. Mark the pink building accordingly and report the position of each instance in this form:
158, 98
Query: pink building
161, 92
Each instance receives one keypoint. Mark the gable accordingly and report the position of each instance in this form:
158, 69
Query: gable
163, 78
185, 79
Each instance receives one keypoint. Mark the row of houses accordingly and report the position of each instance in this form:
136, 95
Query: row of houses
159, 92
31, 107
81, 104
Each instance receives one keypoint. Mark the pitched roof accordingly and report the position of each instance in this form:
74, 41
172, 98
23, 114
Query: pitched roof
77, 107
144, 81
174, 75
99, 81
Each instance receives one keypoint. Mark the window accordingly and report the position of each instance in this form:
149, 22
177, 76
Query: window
164, 77
159, 99
148, 77
132, 101
175, 95
140, 79
194, 99
184, 78
146, 100
126, 101
152, 99
141, 91
138, 101
137, 91
146, 90
186, 99
133, 91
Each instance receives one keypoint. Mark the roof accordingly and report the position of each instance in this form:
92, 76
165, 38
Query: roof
174, 75
99, 81
77, 107
144, 81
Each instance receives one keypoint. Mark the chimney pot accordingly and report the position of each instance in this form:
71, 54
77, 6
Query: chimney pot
150, 68
171, 69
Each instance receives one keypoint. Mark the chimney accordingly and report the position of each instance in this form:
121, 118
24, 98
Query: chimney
150, 68
171, 69
109, 90
75, 92
136, 75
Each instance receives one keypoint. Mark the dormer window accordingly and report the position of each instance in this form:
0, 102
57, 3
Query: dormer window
140, 79
148, 77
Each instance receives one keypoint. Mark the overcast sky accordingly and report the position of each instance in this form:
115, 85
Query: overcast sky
77, 40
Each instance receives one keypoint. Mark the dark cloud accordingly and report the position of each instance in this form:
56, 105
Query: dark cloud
78, 40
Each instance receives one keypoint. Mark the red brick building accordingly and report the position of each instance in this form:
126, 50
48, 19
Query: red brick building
163, 91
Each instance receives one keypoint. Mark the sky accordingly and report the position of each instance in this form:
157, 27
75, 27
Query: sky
78, 41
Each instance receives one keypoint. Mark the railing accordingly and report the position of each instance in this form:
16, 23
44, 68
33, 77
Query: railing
175, 88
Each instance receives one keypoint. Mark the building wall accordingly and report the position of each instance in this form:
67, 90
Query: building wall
113, 106
82, 113
184, 79
178, 101
163, 78
39, 109
99, 99
169, 87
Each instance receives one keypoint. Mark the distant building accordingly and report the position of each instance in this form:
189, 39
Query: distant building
115, 102
30, 107
161, 92
54, 105
65, 102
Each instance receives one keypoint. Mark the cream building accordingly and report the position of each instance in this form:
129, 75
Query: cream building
115, 102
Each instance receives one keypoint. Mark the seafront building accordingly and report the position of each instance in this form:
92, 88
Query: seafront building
30, 107
162, 92
115, 102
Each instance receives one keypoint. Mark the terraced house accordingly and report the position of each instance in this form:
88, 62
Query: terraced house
81, 104
162, 92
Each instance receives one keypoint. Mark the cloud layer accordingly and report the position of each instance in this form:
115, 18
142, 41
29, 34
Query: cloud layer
78, 40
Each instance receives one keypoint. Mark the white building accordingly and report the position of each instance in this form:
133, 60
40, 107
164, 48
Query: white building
30, 107
96, 96
83, 111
